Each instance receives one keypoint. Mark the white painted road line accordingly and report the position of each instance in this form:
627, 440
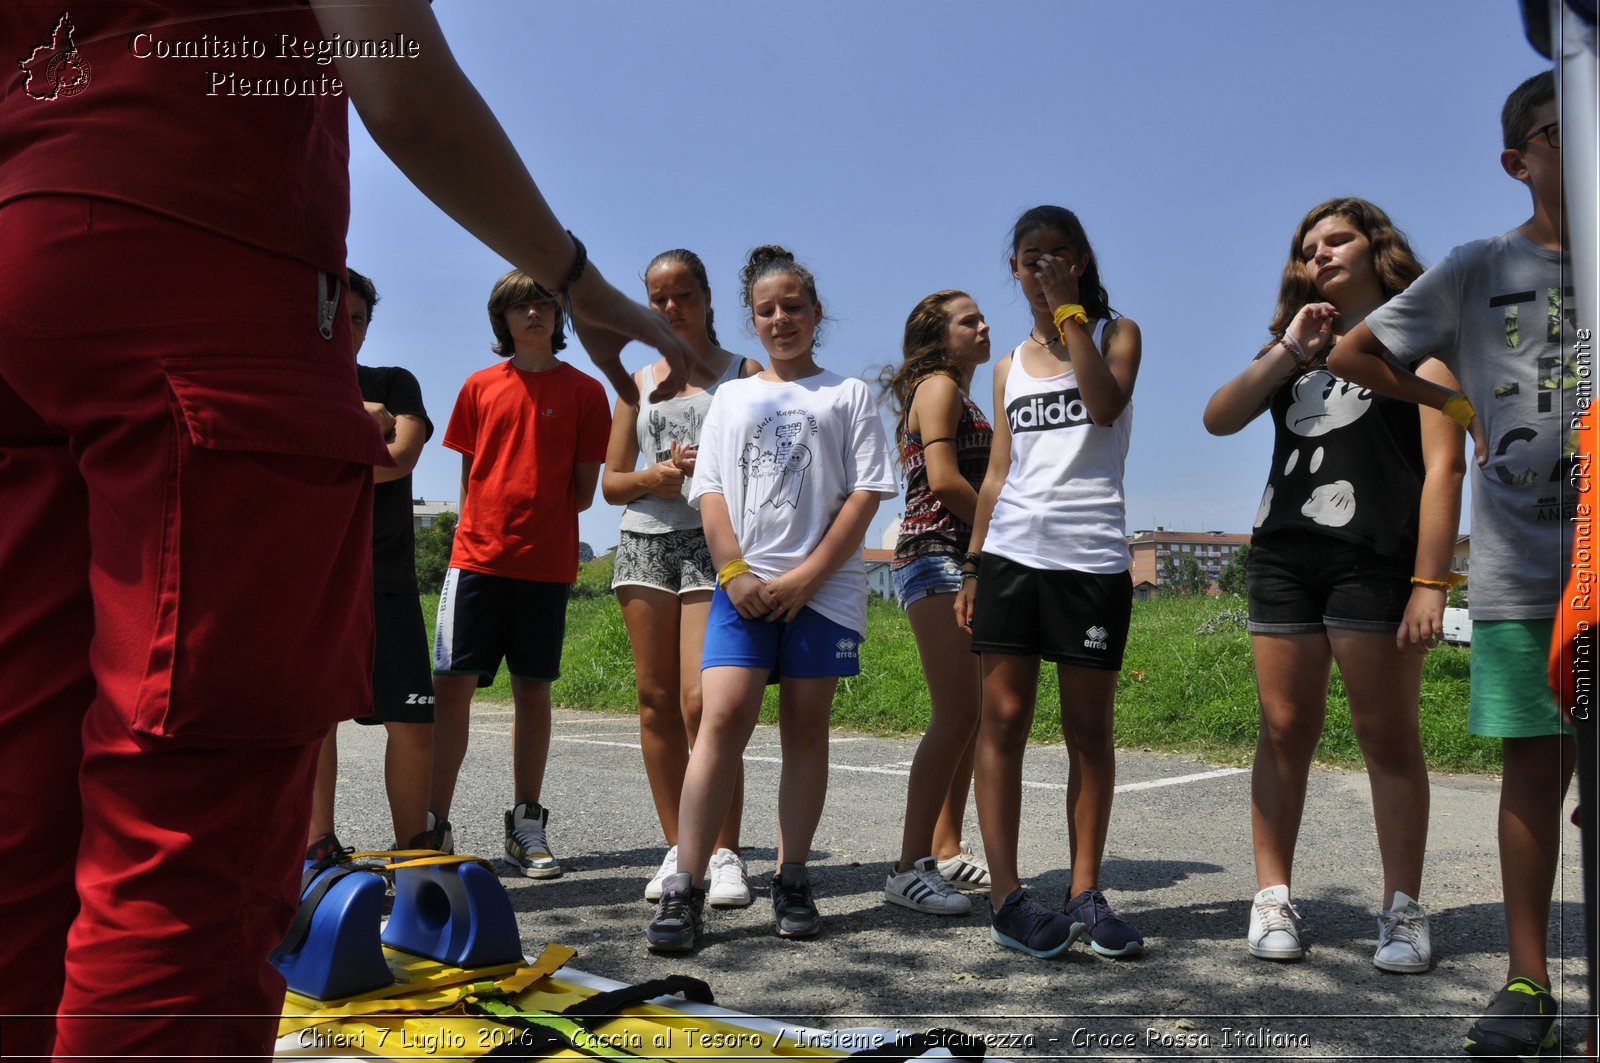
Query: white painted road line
866, 769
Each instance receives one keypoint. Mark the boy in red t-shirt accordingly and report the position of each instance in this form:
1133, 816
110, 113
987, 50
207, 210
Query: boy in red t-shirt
532, 435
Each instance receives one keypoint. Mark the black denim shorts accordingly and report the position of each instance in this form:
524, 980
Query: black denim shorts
1302, 583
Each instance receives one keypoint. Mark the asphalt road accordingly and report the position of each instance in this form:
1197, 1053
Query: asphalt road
1178, 866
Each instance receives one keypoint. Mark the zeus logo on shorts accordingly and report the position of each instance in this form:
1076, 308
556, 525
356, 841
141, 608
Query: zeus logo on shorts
419, 699
845, 650
1097, 638
1041, 413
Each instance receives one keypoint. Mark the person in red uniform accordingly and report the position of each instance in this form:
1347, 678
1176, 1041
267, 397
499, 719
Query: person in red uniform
185, 474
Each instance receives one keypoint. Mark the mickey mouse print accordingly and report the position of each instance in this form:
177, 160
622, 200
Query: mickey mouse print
1346, 461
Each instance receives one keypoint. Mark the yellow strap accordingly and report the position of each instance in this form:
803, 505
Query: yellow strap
437, 990
394, 859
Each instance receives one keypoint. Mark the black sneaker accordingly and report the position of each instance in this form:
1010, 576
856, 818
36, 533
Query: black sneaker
325, 850
1108, 935
1024, 924
438, 837
679, 917
1520, 1023
793, 910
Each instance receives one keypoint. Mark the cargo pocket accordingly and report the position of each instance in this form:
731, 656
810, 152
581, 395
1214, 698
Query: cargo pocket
263, 605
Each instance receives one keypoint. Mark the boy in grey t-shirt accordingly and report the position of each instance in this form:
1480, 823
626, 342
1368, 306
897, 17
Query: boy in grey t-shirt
1493, 311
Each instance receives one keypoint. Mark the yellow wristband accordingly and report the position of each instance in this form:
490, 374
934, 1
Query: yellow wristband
733, 568
1455, 579
1459, 409
1070, 312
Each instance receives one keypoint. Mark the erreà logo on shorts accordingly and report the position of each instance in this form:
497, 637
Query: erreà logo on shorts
1041, 413
1097, 638
845, 650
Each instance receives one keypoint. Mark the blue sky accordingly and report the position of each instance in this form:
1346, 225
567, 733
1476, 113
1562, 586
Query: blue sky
891, 144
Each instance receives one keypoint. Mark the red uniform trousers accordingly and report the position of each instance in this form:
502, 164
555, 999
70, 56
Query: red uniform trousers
185, 530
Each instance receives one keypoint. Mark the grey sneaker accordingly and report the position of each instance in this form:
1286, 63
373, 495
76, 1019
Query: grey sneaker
679, 917
527, 843
923, 889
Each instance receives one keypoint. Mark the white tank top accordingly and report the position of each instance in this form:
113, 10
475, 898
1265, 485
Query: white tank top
1062, 505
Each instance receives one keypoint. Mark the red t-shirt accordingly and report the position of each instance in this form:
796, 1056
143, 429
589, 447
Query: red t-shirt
526, 433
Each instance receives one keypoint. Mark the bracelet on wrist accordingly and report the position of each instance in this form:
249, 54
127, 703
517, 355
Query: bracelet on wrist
1459, 409
965, 575
1455, 579
1070, 312
727, 573
580, 263
1296, 351
971, 558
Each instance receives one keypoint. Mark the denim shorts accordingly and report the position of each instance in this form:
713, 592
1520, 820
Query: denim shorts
922, 577
1302, 583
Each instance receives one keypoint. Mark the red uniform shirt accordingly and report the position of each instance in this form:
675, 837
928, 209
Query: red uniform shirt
526, 433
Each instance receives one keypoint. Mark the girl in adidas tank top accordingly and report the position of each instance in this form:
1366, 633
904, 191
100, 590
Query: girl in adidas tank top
1048, 575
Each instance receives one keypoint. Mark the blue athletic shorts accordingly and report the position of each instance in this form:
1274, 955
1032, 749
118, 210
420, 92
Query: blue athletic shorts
808, 647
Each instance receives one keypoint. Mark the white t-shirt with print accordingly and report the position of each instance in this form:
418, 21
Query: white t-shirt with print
785, 456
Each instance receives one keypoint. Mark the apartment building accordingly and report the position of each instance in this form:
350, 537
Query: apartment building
1212, 550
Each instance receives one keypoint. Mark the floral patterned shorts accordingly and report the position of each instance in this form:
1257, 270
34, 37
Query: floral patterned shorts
676, 562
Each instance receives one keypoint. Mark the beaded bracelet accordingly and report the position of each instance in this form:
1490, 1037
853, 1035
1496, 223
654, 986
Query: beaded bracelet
1296, 351
580, 262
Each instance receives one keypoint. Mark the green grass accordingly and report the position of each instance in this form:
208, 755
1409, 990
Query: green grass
1186, 685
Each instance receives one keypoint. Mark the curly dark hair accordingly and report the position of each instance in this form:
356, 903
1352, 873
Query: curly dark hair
769, 260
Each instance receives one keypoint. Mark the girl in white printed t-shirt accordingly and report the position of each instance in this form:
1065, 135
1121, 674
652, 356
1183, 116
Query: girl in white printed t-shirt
792, 465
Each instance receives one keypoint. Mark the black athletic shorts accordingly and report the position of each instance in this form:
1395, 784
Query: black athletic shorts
402, 685
484, 618
1061, 615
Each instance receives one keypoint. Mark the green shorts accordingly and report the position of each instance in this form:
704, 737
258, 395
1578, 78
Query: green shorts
1511, 695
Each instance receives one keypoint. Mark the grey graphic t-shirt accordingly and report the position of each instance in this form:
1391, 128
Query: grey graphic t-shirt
1492, 311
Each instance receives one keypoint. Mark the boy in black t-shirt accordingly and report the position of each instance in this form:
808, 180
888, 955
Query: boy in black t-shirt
402, 683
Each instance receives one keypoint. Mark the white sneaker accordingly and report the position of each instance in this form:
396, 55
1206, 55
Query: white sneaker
1404, 944
1275, 926
669, 867
728, 884
923, 889
965, 870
